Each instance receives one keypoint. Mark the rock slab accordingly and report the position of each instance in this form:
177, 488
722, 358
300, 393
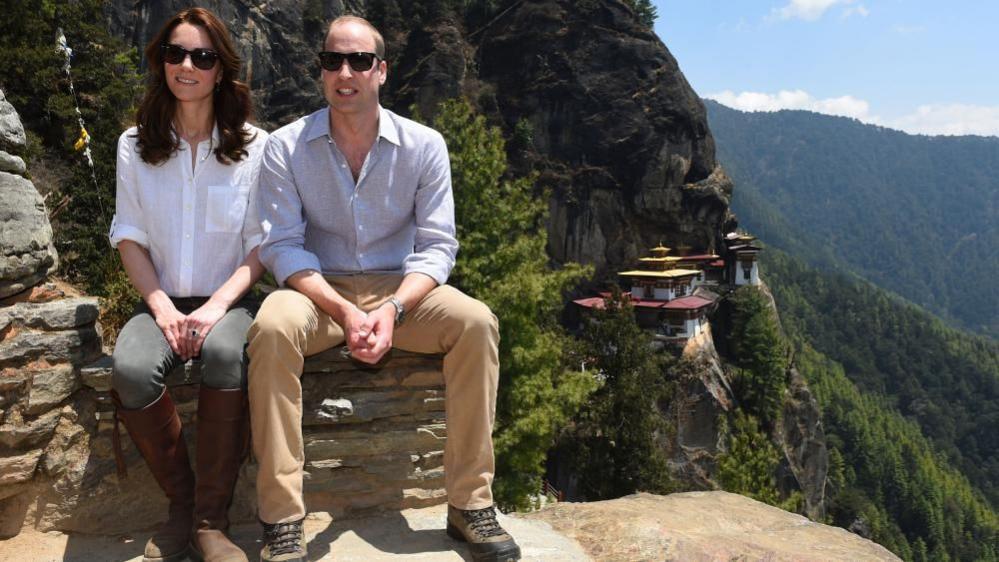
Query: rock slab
410, 535
693, 526
696, 526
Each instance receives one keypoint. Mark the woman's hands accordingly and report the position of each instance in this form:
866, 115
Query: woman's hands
197, 326
186, 334
171, 322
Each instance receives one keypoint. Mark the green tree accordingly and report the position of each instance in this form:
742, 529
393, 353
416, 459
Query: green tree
617, 442
502, 262
761, 355
749, 465
645, 10
914, 503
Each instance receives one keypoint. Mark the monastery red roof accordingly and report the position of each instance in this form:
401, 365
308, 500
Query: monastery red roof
687, 303
591, 302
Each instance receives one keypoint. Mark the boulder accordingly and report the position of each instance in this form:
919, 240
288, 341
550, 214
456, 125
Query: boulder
702, 526
11, 163
11, 130
27, 253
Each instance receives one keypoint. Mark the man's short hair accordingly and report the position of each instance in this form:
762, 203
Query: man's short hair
379, 41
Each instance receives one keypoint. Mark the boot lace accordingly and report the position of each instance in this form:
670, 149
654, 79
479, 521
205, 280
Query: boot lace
483, 522
284, 538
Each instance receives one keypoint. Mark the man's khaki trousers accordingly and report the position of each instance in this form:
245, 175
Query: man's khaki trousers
290, 327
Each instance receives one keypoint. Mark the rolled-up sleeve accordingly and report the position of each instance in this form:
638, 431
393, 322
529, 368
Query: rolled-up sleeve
282, 221
128, 222
435, 245
252, 232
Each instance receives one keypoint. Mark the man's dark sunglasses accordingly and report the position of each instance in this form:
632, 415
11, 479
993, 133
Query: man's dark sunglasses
359, 62
200, 58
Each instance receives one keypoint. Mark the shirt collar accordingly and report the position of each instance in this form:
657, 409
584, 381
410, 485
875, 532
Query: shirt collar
386, 127
320, 126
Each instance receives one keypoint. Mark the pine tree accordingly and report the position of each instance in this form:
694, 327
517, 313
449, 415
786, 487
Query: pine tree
617, 442
645, 10
502, 262
749, 465
760, 354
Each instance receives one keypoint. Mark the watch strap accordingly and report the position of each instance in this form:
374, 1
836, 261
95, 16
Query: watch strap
400, 310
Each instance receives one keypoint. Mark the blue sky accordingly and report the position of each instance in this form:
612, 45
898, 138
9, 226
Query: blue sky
922, 66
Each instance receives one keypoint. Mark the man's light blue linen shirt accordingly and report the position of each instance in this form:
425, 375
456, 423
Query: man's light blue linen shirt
398, 216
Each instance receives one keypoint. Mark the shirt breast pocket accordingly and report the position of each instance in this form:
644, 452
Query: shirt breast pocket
226, 208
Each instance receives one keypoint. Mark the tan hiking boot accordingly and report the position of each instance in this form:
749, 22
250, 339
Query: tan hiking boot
284, 542
487, 541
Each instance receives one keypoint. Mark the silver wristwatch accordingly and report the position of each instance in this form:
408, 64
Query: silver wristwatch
400, 310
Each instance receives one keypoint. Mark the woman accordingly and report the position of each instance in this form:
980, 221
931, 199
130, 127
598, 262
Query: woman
186, 229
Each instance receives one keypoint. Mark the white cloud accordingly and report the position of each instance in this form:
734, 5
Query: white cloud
949, 119
935, 119
846, 106
808, 10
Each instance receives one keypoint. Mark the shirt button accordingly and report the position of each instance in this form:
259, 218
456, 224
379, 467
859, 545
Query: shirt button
188, 236
343, 165
187, 207
361, 255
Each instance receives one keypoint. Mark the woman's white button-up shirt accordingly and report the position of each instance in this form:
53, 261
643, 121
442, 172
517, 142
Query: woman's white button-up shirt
198, 222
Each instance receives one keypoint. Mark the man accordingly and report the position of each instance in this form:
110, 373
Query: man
359, 228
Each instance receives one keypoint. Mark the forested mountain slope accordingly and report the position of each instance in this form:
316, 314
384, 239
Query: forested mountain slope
945, 380
916, 215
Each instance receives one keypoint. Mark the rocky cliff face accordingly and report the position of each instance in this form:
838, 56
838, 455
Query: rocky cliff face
616, 127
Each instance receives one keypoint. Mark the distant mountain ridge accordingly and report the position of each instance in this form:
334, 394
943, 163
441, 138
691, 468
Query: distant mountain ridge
916, 215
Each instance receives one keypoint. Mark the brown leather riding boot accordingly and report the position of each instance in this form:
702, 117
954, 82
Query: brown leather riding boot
155, 430
223, 443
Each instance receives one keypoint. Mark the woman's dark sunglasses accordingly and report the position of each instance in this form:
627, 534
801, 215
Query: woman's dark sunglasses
200, 58
359, 62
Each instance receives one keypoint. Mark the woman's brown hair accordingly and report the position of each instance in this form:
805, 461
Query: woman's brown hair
232, 103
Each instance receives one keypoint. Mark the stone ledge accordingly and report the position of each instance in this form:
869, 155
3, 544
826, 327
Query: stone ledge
374, 439
677, 527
